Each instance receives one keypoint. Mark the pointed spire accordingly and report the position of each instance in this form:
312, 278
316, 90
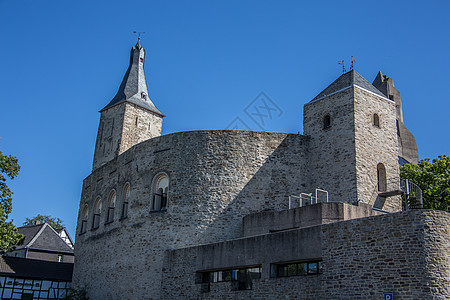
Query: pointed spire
138, 44
133, 88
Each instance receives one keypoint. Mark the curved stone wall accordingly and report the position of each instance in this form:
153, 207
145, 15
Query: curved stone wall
216, 178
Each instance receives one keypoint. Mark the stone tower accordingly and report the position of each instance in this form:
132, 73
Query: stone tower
407, 147
353, 141
130, 117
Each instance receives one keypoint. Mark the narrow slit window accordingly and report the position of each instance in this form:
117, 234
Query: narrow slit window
97, 213
326, 122
111, 206
376, 120
84, 220
126, 196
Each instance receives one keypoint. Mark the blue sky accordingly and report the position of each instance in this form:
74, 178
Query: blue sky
62, 61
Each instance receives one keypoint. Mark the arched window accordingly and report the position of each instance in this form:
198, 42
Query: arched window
126, 196
326, 122
111, 206
84, 219
376, 120
160, 189
381, 178
97, 213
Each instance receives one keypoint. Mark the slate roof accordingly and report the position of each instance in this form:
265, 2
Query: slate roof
29, 231
134, 85
37, 269
346, 80
42, 237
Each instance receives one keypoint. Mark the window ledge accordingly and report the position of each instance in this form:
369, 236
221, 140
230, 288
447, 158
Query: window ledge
93, 229
158, 211
123, 218
109, 222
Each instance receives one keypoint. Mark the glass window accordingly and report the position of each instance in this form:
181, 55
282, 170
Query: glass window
160, 190
97, 213
84, 219
111, 206
126, 196
312, 268
298, 269
7, 293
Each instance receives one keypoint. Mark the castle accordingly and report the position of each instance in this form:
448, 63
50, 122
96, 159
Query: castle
222, 214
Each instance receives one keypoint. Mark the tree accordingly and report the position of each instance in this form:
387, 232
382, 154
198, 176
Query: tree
434, 180
55, 223
9, 237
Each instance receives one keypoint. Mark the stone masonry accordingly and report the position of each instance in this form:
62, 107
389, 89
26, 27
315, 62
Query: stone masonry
404, 254
222, 183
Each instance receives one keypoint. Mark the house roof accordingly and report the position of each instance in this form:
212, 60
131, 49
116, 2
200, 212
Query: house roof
348, 79
37, 269
42, 237
133, 88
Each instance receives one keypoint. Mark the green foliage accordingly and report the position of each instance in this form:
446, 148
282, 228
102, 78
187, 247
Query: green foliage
434, 180
55, 223
9, 168
77, 294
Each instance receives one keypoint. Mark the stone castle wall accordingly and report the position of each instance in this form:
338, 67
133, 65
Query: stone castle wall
108, 135
121, 127
216, 178
332, 160
139, 125
404, 254
374, 145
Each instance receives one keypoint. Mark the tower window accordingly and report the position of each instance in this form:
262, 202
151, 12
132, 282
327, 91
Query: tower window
97, 213
376, 120
144, 96
84, 219
326, 122
160, 189
126, 196
111, 206
381, 178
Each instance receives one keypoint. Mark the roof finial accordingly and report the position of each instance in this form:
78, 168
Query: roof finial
353, 60
138, 44
341, 62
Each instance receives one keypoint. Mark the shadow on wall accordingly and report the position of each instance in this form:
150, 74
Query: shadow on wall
284, 172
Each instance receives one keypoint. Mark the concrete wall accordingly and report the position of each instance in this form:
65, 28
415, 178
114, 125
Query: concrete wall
403, 253
216, 178
311, 215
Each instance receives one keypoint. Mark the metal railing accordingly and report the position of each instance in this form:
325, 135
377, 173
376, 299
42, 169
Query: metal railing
410, 192
304, 199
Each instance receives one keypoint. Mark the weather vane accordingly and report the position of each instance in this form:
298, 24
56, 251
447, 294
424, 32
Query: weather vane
139, 33
341, 62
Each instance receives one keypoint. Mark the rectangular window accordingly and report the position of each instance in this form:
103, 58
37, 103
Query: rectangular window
125, 210
298, 268
242, 277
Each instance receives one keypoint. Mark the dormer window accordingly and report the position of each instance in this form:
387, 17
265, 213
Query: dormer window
144, 96
376, 120
326, 122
